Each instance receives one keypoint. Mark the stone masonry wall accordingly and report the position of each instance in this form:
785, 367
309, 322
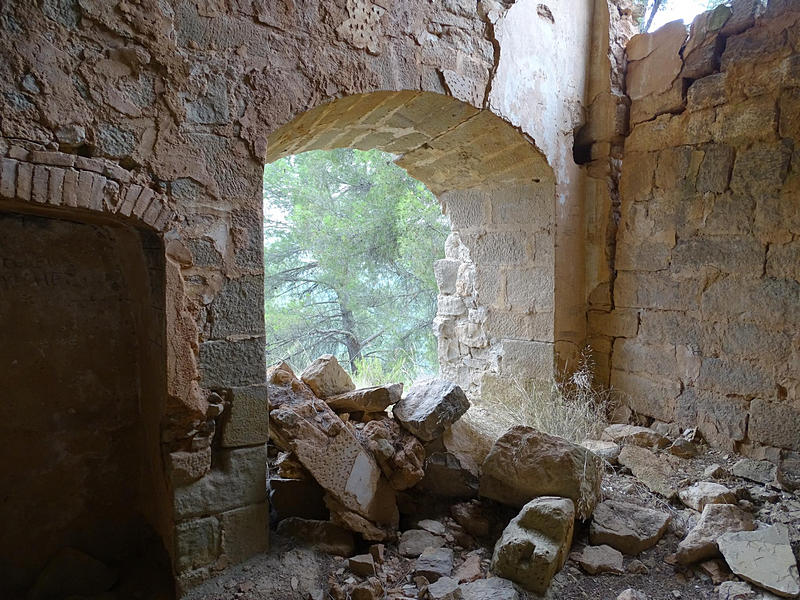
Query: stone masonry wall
179, 98
704, 324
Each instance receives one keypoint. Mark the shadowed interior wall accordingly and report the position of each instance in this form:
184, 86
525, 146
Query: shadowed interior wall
81, 366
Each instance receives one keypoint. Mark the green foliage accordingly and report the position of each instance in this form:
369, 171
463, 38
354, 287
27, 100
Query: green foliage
350, 240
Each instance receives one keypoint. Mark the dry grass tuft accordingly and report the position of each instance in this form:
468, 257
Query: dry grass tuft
572, 408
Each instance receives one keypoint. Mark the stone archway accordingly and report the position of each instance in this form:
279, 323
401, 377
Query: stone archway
496, 300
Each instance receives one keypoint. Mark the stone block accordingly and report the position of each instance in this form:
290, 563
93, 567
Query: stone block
789, 126
227, 364
55, 159
655, 290
71, 188
721, 419
530, 290
24, 181
653, 359
761, 169
707, 92
55, 189
245, 532
638, 170
467, 209
238, 308
8, 178
783, 261
196, 543
744, 257
39, 189
753, 301
753, 119
487, 284
645, 255
237, 478
775, 424
528, 360
729, 376
185, 467
498, 247
715, 170
446, 273
645, 395
523, 205
670, 101
246, 420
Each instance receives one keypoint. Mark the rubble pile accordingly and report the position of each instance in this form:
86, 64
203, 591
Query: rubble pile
389, 483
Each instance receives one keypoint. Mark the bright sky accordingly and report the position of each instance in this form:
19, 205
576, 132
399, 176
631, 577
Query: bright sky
678, 9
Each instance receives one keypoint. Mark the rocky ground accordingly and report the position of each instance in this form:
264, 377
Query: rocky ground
368, 505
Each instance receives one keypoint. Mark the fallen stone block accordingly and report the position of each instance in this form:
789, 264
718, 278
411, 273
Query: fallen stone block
446, 476
608, 451
701, 493
627, 527
444, 588
430, 407
368, 400
622, 434
701, 541
362, 565
763, 557
415, 541
654, 471
525, 463
400, 455
493, 588
326, 377
535, 544
597, 560
761, 471
434, 563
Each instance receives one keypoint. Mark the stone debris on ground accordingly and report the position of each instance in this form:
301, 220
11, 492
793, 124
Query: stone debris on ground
627, 527
379, 467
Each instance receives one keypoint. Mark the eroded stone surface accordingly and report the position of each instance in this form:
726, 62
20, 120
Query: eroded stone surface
525, 463
430, 407
535, 544
763, 557
627, 527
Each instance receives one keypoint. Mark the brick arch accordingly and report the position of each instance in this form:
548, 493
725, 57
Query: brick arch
85, 185
495, 316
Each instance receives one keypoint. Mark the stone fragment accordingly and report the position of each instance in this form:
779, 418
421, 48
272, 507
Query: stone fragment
788, 474
715, 471
246, 423
362, 565
607, 450
470, 569
400, 455
444, 588
431, 526
434, 563
633, 434
701, 493
701, 541
637, 567
369, 590
72, 573
525, 463
414, 542
632, 594
736, 590
717, 569
627, 527
683, 448
186, 467
326, 377
761, 471
535, 544
654, 471
763, 557
493, 588
322, 535
371, 399
597, 560
470, 515
446, 476
373, 531
430, 407
328, 448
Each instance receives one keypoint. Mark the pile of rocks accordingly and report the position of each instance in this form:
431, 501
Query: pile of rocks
417, 508
351, 461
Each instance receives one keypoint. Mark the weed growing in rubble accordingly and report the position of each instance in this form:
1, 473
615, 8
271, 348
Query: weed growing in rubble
573, 407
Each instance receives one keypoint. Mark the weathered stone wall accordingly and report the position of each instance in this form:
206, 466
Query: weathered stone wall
82, 347
706, 298
179, 98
